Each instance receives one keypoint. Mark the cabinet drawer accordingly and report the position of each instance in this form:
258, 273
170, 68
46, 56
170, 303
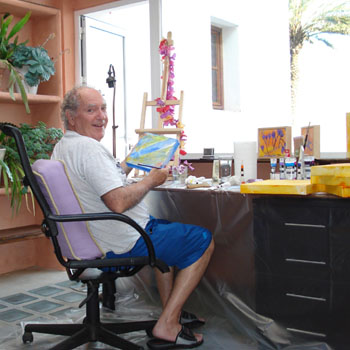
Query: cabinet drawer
293, 210
292, 239
300, 246
296, 302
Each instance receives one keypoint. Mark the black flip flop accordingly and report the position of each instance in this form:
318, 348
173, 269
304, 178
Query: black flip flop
184, 340
190, 320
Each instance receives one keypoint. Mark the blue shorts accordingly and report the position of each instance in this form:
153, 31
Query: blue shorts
175, 243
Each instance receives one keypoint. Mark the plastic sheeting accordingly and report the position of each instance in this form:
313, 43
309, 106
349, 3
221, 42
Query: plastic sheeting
226, 294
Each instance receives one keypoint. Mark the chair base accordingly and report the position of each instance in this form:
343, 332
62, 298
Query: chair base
80, 334
92, 329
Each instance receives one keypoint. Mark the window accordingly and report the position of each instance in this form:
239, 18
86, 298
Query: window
216, 68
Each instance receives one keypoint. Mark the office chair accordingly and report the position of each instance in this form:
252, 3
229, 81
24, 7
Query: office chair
67, 226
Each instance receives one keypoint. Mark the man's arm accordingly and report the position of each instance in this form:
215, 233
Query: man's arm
125, 167
123, 198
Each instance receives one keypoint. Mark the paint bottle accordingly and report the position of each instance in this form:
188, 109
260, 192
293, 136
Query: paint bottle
216, 172
273, 166
282, 169
242, 172
290, 168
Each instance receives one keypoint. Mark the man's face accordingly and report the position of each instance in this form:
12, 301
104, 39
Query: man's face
91, 117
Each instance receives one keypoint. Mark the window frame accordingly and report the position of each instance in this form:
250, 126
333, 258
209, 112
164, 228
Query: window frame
218, 68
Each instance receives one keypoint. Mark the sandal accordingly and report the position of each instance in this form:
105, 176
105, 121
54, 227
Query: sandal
190, 320
187, 319
184, 340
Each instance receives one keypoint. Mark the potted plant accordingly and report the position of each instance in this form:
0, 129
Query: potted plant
8, 43
2, 156
39, 141
34, 64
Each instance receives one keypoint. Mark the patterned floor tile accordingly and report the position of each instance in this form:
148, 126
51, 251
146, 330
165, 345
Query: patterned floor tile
62, 313
43, 306
68, 283
46, 291
19, 298
70, 297
13, 315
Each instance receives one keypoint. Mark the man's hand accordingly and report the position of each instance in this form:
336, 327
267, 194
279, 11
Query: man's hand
157, 176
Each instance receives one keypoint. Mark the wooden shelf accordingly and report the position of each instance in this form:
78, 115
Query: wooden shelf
20, 233
16, 7
2, 191
32, 99
165, 131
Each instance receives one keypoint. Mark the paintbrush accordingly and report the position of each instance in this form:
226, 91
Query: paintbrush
307, 135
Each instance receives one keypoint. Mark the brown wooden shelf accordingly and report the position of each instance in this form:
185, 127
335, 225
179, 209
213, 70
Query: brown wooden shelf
19, 233
32, 99
164, 131
2, 191
16, 7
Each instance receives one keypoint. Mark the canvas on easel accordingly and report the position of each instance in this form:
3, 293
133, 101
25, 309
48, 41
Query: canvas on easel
166, 103
312, 147
348, 135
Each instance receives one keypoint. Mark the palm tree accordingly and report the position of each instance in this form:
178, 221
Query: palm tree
308, 21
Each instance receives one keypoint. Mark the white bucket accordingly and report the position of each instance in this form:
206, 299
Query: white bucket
29, 89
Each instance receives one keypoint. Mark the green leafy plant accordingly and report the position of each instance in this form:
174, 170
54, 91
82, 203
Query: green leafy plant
40, 65
39, 141
8, 44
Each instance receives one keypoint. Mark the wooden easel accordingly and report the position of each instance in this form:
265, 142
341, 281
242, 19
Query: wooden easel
160, 128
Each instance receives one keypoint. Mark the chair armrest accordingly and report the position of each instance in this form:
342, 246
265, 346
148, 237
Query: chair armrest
132, 261
109, 216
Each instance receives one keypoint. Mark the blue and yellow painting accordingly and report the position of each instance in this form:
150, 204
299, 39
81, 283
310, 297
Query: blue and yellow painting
152, 151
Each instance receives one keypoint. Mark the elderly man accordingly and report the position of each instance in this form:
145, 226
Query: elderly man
101, 185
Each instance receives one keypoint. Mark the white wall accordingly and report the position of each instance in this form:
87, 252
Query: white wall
263, 55
256, 68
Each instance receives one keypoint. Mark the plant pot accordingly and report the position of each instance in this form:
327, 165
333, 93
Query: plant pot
2, 156
29, 89
4, 77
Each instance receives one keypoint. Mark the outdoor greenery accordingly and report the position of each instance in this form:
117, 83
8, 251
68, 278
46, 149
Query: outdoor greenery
310, 20
39, 141
8, 44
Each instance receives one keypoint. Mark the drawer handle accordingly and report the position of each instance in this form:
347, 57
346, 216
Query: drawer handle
305, 297
322, 335
305, 261
303, 225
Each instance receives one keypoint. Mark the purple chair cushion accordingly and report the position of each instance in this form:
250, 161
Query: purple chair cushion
75, 239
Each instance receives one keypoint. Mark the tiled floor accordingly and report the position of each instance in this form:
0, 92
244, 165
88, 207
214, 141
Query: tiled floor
37, 295
33, 295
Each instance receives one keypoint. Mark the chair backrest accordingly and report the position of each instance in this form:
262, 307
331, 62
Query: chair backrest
75, 239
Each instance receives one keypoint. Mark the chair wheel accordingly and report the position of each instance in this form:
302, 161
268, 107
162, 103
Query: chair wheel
27, 337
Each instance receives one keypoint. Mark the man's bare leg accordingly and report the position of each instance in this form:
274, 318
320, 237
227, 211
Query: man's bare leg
165, 282
168, 325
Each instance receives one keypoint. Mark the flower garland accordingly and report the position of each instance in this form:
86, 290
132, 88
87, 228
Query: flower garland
167, 112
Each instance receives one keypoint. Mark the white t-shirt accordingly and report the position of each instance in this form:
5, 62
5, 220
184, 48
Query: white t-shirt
94, 172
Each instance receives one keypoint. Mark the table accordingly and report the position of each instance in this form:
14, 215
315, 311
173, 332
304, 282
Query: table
229, 216
244, 275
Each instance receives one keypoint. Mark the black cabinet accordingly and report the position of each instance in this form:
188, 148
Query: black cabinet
302, 260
